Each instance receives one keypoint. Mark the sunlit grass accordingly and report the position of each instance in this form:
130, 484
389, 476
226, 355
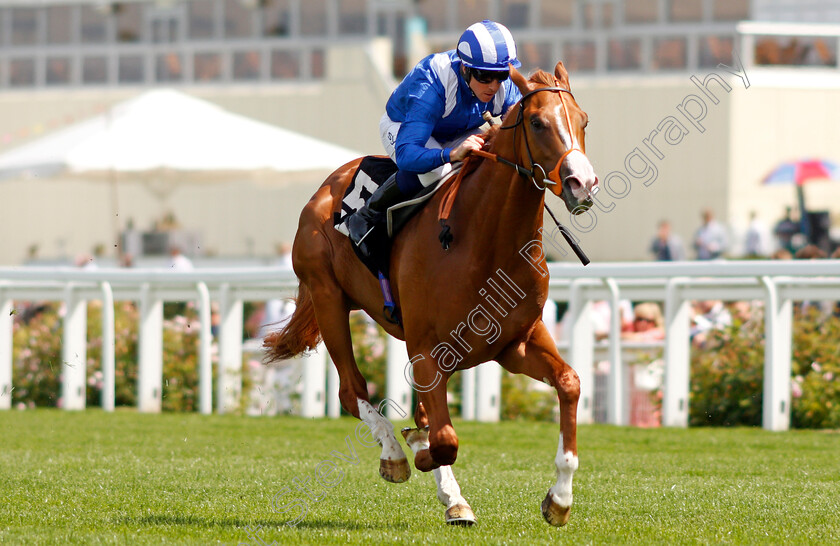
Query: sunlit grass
128, 478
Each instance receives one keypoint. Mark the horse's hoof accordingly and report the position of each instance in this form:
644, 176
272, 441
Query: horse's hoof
460, 514
553, 513
413, 435
394, 471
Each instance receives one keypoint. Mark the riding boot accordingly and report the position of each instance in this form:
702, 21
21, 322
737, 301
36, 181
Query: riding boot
362, 222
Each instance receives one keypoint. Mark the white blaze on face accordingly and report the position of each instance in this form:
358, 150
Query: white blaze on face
566, 464
382, 430
577, 163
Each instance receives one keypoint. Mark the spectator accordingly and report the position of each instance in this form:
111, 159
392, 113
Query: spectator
785, 230
86, 261
667, 246
648, 324
708, 315
782, 254
813, 252
177, 261
600, 314
710, 241
810, 252
757, 242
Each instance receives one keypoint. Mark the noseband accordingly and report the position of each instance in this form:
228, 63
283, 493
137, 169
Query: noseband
548, 177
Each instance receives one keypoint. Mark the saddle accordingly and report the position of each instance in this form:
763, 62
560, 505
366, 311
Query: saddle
372, 172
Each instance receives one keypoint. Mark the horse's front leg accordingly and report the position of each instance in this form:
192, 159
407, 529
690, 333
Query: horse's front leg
539, 359
458, 510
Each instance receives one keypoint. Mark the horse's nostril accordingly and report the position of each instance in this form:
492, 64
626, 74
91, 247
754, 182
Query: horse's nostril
573, 183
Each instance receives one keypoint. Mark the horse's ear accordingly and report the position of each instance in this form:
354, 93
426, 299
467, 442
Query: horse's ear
519, 80
562, 76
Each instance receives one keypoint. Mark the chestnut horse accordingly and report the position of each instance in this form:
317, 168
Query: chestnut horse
450, 320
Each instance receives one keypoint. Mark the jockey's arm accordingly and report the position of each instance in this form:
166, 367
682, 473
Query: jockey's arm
412, 155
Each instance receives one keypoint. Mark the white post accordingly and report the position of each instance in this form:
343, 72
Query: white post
397, 389
677, 364
229, 372
581, 350
488, 406
468, 394
205, 344
616, 410
74, 351
778, 333
108, 348
150, 349
312, 403
333, 383
6, 324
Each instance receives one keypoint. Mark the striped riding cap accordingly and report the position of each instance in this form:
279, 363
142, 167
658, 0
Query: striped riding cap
487, 46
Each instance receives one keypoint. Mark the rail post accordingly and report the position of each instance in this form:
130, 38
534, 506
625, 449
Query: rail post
205, 343
150, 349
108, 347
677, 345
313, 398
6, 324
397, 388
229, 371
778, 334
74, 350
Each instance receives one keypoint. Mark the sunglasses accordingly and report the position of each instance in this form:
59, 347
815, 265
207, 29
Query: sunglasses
488, 76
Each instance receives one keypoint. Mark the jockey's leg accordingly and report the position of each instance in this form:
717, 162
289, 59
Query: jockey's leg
398, 188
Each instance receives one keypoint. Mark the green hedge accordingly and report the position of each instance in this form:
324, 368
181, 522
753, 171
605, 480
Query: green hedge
727, 374
36, 357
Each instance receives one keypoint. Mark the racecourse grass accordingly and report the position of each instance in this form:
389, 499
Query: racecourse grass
128, 478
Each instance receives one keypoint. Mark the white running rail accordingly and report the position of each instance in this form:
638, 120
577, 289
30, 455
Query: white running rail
676, 284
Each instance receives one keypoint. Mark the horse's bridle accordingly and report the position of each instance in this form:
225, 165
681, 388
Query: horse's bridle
548, 177
552, 177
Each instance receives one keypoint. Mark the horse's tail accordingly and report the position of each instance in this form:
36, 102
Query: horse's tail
298, 335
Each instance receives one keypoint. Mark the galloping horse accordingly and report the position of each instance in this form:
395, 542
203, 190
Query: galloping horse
450, 319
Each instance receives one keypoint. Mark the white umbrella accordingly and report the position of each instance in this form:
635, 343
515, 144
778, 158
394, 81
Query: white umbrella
165, 136
164, 139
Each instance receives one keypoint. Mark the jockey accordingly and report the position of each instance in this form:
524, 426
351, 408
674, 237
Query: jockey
432, 117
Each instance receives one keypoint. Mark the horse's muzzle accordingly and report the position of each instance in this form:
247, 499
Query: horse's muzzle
576, 195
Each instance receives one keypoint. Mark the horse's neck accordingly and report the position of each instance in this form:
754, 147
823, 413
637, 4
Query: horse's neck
512, 203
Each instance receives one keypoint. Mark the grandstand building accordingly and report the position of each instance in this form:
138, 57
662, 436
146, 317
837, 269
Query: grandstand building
691, 102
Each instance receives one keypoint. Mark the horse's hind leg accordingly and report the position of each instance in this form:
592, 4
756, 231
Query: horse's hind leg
332, 313
538, 358
458, 511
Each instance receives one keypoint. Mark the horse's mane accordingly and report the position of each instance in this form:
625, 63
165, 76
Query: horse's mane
538, 77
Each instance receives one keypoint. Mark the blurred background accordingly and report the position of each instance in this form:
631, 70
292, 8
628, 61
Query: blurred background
131, 128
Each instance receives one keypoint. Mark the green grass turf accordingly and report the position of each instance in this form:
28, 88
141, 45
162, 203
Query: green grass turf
127, 478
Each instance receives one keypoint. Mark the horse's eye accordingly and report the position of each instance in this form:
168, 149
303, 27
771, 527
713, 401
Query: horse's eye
536, 123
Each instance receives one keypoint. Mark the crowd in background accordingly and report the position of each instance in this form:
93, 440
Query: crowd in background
713, 240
